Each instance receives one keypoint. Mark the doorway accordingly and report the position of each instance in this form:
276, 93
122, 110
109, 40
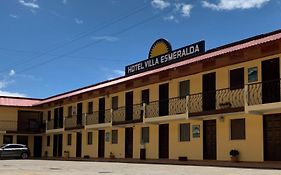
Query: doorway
79, 114
272, 139
164, 99
129, 106
129, 142
78, 144
57, 145
209, 140
270, 81
164, 141
209, 92
37, 152
101, 110
101, 144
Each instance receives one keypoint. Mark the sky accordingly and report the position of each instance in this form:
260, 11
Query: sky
49, 47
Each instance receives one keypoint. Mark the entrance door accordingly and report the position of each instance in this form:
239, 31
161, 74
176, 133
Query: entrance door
129, 142
129, 106
270, 81
272, 137
101, 110
22, 140
101, 144
57, 145
60, 117
209, 92
164, 141
209, 139
37, 151
78, 144
79, 114
164, 99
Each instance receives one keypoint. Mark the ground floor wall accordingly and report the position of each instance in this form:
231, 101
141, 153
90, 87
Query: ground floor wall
250, 147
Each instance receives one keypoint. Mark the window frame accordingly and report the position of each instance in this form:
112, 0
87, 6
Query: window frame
234, 81
188, 88
69, 139
233, 130
114, 136
182, 136
114, 104
89, 138
144, 140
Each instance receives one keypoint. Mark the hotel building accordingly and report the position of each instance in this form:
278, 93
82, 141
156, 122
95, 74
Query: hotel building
177, 104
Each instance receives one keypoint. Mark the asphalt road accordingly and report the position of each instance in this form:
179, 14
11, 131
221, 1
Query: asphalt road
47, 167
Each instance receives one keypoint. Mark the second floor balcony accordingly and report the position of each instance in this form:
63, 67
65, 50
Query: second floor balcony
8, 126
99, 119
75, 122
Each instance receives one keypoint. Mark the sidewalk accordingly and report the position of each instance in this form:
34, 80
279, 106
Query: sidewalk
255, 165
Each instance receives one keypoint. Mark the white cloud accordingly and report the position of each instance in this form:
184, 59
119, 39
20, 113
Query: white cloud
169, 18
184, 9
13, 16
11, 94
235, 4
160, 4
105, 38
64, 2
12, 72
29, 3
78, 21
119, 72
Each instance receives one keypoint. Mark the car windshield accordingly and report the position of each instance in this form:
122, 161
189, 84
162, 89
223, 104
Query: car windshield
2, 146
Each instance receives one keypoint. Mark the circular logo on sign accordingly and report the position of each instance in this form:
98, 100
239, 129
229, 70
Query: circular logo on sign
159, 47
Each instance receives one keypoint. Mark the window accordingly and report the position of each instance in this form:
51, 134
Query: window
114, 102
90, 138
184, 132
114, 137
69, 111
48, 140
237, 129
90, 107
252, 74
7, 139
183, 88
237, 78
49, 115
145, 96
68, 139
145, 135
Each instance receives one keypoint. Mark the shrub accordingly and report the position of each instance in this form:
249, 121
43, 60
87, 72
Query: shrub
234, 152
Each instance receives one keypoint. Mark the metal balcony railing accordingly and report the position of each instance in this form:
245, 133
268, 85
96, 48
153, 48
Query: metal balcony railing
264, 92
52, 124
219, 101
175, 105
8, 125
75, 121
99, 117
127, 114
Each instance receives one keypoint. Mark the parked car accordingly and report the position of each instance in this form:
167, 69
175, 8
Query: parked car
14, 151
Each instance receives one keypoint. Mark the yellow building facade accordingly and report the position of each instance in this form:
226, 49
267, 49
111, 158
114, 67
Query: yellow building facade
193, 104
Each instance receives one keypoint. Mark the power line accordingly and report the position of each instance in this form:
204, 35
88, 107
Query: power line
80, 36
92, 43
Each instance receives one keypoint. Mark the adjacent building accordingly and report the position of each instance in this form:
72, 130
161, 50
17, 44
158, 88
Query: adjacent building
178, 103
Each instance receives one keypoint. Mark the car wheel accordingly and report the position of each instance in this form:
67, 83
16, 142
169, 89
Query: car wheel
24, 155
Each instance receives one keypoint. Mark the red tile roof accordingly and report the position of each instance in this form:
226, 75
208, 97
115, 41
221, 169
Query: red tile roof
17, 101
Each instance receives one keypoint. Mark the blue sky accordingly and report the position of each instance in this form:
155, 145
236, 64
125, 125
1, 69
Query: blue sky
53, 46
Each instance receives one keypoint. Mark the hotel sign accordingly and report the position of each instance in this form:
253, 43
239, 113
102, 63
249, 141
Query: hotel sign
165, 57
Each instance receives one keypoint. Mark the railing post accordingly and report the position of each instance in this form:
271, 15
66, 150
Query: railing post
246, 98
143, 112
46, 125
186, 103
111, 116
85, 120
